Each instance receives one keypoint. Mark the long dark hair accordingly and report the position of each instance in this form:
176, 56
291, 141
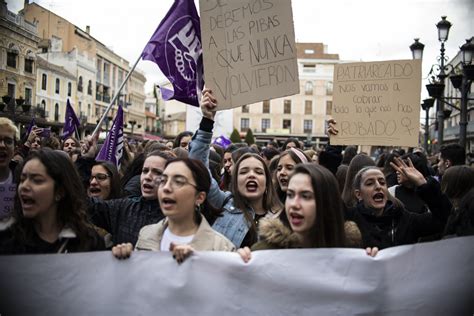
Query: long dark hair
71, 207
328, 228
357, 163
115, 187
271, 203
203, 184
294, 156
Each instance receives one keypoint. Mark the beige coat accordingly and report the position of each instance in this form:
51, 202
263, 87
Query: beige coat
205, 239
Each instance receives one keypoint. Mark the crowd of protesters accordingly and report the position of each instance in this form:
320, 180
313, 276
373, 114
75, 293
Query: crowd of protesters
191, 195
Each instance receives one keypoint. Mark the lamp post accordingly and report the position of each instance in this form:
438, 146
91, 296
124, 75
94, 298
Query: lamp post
467, 51
461, 82
11, 108
426, 105
132, 123
437, 82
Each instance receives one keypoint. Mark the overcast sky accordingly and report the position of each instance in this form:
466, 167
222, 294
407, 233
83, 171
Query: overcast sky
366, 30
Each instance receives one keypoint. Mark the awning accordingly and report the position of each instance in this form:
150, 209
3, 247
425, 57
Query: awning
151, 137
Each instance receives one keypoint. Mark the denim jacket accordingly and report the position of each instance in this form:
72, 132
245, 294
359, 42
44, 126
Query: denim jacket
232, 223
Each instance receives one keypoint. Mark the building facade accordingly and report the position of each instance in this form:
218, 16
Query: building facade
451, 123
302, 115
18, 44
99, 71
54, 86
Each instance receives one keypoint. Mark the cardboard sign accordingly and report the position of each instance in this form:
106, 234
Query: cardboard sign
249, 50
377, 103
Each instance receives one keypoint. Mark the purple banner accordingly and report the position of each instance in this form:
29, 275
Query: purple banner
176, 48
112, 149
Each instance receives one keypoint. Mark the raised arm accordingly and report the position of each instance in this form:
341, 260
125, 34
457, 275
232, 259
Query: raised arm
199, 147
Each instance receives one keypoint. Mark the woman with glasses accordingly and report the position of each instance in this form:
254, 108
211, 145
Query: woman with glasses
104, 182
182, 193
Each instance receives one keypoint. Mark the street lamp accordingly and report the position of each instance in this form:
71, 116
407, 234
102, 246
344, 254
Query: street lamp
426, 105
436, 86
417, 49
467, 51
133, 123
461, 82
11, 108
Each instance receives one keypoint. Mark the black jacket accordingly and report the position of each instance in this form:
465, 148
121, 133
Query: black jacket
9, 245
123, 218
396, 226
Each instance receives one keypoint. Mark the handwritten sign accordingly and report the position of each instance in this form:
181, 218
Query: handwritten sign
377, 103
249, 50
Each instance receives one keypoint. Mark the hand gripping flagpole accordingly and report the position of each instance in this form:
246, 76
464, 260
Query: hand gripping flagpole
115, 97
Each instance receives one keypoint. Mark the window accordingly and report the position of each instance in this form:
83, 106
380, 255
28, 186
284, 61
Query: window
97, 111
29, 65
89, 87
308, 107
287, 124
309, 68
308, 88
56, 112
265, 124
56, 89
88, 110
11, 58
308, 126
11, 90
43, 108
329, 87
244, 124
328, 107
266, 106
287, 107
79, 84
28, 95
245, 108
44, 81
69, 89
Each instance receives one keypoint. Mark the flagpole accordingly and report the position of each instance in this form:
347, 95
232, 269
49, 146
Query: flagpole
115, 97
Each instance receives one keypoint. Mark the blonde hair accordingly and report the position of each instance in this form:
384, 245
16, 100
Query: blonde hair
8, 124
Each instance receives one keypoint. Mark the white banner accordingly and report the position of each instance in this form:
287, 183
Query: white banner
425, 279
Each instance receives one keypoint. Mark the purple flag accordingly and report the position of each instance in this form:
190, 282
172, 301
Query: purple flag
222, 141
113, 146
176, 48
71, 123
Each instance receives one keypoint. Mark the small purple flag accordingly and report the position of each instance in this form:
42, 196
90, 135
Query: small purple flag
222, 141
71, 123
112, 149
176, 48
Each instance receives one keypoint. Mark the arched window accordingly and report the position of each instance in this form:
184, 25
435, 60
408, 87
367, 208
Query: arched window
79, 84
89, 87
56, 112
44, 81
57, 86
12, 55
69, 89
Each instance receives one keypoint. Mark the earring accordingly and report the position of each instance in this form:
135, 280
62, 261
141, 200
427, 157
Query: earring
57, 198
197, 208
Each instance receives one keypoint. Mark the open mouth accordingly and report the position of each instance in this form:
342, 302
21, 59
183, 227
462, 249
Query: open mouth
95, 190
3, 155
251, 186
148, 186
296, 219
167, 202
26, 201
378, 197
284, 182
